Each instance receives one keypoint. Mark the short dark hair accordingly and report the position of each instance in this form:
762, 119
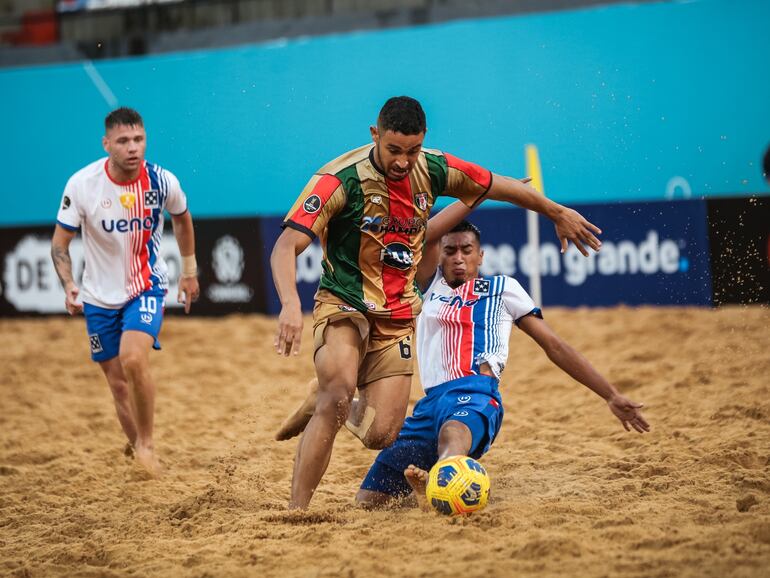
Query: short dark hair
467, 227
123, 116
402, 114
766, 165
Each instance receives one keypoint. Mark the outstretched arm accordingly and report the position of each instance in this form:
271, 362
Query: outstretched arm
570, 225
578, 367
60, 253
438, 226
189, 290
283, 263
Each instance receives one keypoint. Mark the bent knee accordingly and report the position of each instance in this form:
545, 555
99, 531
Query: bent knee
334, 403
379, 439
132, 361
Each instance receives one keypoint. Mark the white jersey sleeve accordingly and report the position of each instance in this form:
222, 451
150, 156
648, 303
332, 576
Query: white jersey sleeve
517, 301
70, 215
176, 202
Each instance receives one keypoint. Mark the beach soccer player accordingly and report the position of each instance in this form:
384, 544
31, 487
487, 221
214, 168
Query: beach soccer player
118, 204
370, 208
463, 334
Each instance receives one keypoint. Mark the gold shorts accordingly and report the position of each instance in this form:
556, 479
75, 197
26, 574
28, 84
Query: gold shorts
386, 344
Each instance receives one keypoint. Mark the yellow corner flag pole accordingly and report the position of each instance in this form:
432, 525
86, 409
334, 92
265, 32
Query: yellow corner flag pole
533, 229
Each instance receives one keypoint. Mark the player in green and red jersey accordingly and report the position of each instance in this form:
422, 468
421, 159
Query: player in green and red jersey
370, 208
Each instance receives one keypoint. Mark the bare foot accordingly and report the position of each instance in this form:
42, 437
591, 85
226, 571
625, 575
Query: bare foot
296, 423
145, 457
418, 479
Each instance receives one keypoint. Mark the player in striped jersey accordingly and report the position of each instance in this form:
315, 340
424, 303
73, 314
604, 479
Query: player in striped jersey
462, 348
370, 208
118, 203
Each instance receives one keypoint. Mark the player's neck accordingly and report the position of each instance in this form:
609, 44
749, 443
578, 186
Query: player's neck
119, 176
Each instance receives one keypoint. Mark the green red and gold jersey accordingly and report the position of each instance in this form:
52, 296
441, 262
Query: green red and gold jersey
372, 229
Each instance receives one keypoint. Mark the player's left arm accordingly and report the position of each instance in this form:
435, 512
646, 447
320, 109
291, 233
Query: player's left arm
189, 290
438, 226
578, 367
570, 225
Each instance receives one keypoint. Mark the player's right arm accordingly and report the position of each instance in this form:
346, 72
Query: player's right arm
60, 253
283, 262
322, 198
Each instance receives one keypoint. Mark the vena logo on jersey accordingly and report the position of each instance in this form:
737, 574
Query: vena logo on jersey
398, 256
126, 225
410, 226
454, 300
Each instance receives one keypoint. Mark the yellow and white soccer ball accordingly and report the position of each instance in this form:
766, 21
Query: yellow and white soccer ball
458, 485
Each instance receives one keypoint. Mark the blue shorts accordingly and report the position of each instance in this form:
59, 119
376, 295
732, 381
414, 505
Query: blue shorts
105, 326
473, 400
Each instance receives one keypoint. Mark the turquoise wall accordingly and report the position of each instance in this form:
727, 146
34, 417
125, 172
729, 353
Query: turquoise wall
619, 100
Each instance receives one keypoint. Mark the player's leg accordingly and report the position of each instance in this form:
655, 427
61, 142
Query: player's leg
141, 322
336, 364
385, 381
118, 383
454, 439
296, 423
104, 328
135, 349
379, 411
469, 422
416, 444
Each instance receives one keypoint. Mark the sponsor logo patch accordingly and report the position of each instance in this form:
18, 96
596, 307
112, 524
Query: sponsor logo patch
347, 308
398, 256
376, 199
127, 200
461, 413
151, 199
106, 203
464, 399
65, 203
389, 224
95, 343
480, 287
312, 204
146, 318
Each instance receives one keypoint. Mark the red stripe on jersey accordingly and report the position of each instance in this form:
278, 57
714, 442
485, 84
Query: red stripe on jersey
477, 174
144, 255
394, 280
493, 402
466, 332
323, 189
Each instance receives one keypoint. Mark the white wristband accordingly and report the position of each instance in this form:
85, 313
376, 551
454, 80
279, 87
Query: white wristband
189, 266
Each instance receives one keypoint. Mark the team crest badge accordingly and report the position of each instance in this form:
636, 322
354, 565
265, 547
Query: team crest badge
480, 287
421, 200
127, 200
312, 204
151, 199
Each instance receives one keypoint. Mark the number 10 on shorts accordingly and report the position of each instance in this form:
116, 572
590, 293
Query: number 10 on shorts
148, 304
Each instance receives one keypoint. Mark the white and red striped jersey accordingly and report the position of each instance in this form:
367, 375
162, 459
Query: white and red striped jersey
121, 225
459, 329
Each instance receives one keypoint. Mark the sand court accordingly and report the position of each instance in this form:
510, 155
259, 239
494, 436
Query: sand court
572, 492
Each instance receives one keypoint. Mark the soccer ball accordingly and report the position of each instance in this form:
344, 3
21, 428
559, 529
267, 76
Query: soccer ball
458, 485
